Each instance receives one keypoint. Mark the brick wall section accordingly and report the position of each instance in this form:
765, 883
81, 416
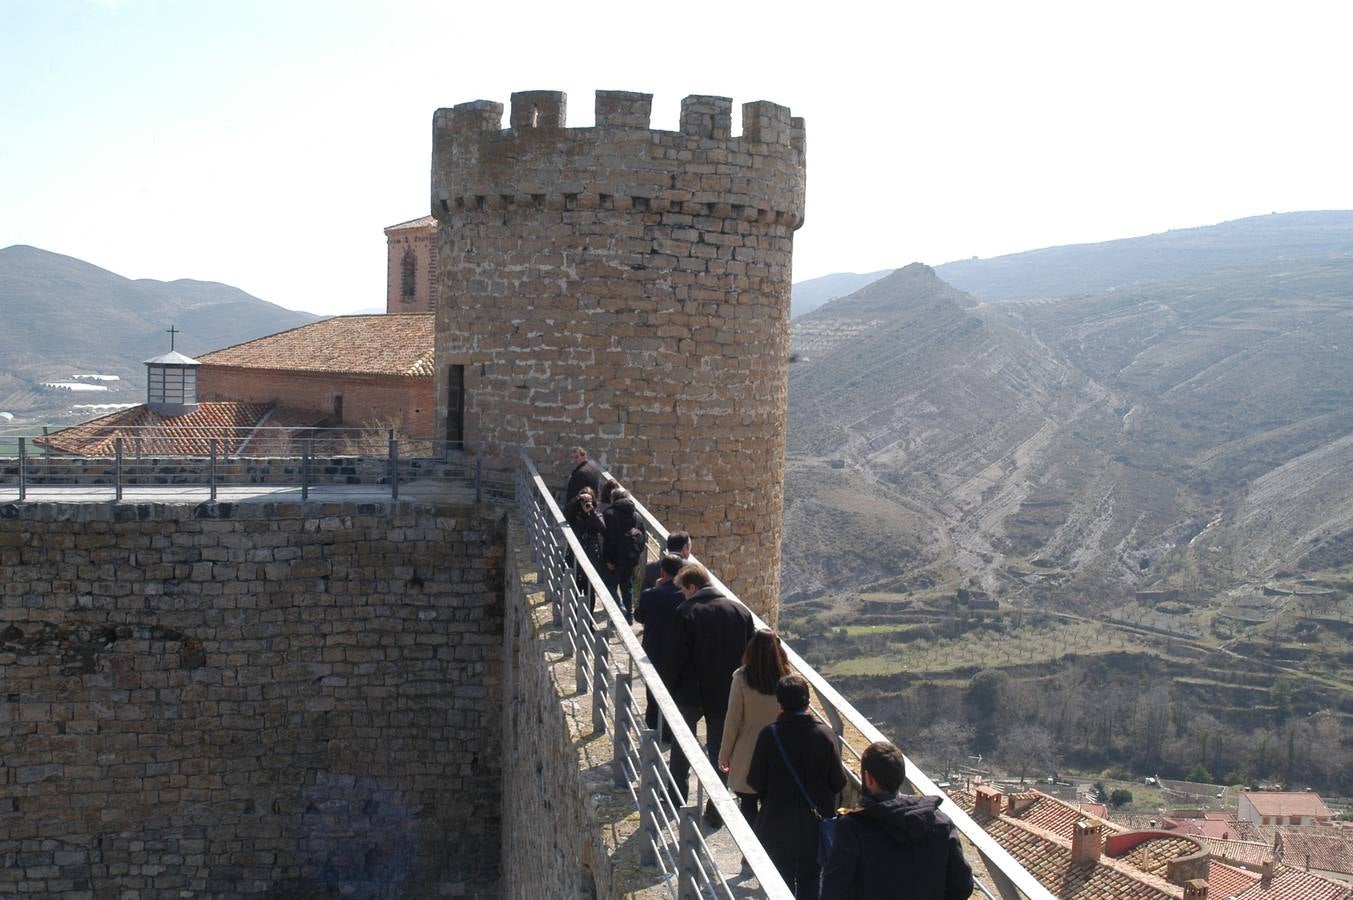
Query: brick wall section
258, 700
405, 402
628, 290
423, 243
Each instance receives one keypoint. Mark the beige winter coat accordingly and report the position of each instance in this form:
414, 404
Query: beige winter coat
748, 712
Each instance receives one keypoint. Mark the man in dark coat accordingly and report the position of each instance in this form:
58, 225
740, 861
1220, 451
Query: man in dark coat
585, 474
656, 612
786, 824
894, 839
678, 543
709, 633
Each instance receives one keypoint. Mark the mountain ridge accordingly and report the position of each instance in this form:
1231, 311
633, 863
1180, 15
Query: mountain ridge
65, 315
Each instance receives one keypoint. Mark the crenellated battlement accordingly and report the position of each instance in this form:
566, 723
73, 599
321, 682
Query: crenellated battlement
620, 163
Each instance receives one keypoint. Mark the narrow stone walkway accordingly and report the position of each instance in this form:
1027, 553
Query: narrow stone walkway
616, 816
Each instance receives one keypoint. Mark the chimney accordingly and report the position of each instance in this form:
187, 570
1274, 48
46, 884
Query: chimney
1086, 843
1266, 873
1195, 890
989, 801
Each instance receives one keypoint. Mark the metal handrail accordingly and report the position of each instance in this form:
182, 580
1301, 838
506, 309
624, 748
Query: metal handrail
688, 862
390, 463
1011, 879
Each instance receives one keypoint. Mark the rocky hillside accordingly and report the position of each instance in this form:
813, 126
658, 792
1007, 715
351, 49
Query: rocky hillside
1082, 439
64, 317
1150, 488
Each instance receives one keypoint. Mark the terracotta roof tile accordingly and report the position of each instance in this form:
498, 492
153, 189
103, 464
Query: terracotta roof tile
422, 222
1250, 853
1227, 881
1294, 884
1333, 853
369, 345
1154, 854
1287, 803
1050, 862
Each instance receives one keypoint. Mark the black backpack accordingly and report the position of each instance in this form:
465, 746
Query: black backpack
633, 543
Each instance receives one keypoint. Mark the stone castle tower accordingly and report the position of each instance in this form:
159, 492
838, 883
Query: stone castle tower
627, 289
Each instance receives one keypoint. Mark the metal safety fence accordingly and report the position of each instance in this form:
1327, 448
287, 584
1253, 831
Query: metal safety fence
109, 461
669, 826
671, 833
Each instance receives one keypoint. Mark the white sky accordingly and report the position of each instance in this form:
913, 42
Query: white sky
265, 144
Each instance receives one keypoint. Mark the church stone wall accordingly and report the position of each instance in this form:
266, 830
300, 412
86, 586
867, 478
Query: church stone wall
374, 400
257, 700
628, 290
419, 239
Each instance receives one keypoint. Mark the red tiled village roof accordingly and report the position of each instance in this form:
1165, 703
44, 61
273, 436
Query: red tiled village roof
399, 344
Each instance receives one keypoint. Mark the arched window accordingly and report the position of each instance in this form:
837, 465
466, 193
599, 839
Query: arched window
408, 275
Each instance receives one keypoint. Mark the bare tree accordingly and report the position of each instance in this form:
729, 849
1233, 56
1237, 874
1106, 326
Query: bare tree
1026, 747
945, 743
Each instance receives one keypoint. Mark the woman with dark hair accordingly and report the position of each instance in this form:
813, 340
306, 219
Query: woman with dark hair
751, 707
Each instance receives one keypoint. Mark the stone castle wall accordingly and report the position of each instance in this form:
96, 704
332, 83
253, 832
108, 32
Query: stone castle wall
628, 290
257, 700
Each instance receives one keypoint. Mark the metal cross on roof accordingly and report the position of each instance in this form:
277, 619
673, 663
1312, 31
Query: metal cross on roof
171, 331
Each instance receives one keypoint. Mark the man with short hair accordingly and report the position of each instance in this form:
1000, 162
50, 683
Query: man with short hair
796, 772
709, 633
585, 474
656, 611
679, 543
893, 839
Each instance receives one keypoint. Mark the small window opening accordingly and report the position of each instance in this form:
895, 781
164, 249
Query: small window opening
408, 275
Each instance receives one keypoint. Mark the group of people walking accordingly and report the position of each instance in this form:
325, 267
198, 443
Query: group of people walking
781, 763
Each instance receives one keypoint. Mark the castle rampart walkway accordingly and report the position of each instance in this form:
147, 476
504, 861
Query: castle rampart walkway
609, 668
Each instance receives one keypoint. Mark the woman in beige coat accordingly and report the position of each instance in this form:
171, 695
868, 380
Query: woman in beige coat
751, 707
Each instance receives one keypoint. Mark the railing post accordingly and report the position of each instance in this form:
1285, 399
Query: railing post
117, 468
305, 468
623, 697
581, 614
687, 870
651, 791
394, 466
211, 472
601, 663
23, 468
479, 474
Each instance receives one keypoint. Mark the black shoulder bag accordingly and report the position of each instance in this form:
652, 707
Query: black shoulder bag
826, 828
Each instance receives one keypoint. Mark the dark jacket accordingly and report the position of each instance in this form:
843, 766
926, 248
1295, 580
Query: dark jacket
586, 474
785, 824
709, 634
620, 517
588, 527
891, 841
657, 610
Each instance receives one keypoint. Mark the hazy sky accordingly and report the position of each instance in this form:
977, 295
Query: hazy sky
265, 144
